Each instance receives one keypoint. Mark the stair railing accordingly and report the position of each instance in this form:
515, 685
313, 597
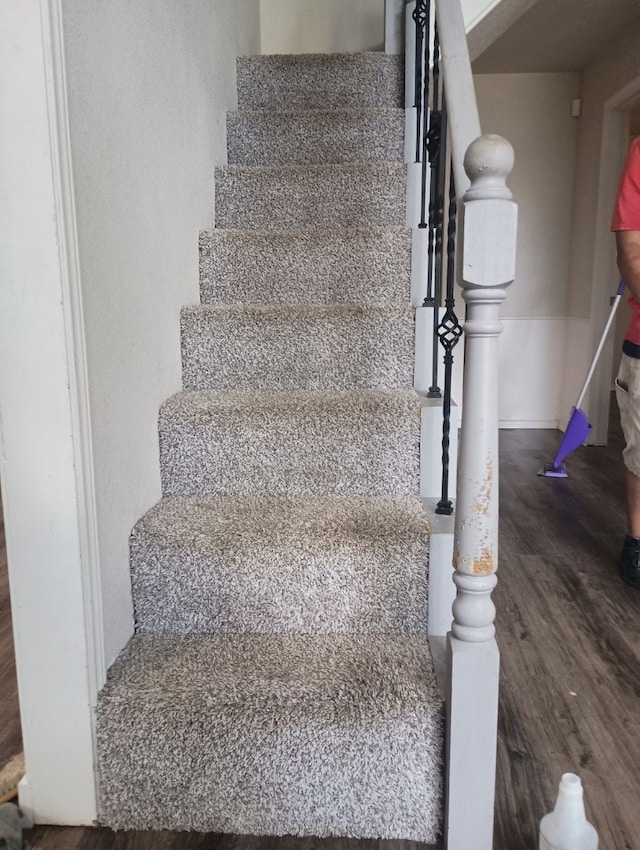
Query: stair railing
469, 169
437, 183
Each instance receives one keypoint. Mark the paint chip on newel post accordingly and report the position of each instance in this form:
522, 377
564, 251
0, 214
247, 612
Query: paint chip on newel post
487, 268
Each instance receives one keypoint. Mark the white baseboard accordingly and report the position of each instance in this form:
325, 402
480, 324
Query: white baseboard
25, 800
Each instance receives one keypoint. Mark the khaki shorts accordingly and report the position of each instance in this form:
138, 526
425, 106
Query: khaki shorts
628, 396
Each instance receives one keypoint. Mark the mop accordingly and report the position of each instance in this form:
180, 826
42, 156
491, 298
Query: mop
578, 426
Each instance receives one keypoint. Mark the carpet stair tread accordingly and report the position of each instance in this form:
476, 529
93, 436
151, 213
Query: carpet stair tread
306, 735
305, 266
320, 196
290, 137
294, 347
320, 81
357, 443
283, 566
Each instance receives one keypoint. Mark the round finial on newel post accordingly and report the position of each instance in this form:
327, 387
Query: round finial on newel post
488, 162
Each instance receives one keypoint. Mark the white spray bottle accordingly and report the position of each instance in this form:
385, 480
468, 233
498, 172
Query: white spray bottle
566, 827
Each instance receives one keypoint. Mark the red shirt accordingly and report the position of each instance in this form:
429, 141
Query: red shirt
626, 216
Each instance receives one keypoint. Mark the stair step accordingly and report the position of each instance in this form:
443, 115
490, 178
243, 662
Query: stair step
275, 198
349, 265
281, 566
298, 137
320, 81
360, 443
273, 735
288, 348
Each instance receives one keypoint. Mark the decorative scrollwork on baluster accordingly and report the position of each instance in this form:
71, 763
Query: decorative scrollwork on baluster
421, 13
449, 331
421, 18
434, 136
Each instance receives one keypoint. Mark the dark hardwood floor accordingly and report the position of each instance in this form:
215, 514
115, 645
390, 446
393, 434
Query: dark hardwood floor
569, 634
10, 734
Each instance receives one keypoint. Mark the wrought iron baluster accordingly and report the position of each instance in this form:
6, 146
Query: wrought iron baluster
421, 17
449, 333
432, 142
436, 68
423, 224
437, 224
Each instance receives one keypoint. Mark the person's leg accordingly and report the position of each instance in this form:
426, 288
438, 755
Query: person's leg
628, 396
633, 504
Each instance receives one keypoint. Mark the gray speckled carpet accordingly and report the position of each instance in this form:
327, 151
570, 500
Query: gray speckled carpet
337, 347
318, 196
341, 266
280, 679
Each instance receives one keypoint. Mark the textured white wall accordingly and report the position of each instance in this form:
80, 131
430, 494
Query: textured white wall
533, 112
337, 26
149, 84
331, 26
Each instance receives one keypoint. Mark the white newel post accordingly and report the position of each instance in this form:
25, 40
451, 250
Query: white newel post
488, 267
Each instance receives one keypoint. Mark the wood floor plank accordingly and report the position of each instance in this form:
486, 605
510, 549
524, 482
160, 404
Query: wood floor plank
10, 732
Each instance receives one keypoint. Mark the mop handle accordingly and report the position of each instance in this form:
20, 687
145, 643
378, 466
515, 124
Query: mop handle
603, 338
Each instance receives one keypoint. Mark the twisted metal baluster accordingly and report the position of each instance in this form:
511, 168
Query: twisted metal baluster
449, 333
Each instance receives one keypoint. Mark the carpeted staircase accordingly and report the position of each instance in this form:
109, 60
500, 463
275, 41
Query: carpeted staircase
280, 680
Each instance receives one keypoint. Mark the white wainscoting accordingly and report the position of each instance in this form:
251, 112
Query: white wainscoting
532, 355
543, 362
577, 358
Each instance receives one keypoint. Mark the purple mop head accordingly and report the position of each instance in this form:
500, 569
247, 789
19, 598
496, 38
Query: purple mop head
578, 428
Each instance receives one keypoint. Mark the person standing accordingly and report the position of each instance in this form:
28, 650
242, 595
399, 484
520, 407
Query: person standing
626, 226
